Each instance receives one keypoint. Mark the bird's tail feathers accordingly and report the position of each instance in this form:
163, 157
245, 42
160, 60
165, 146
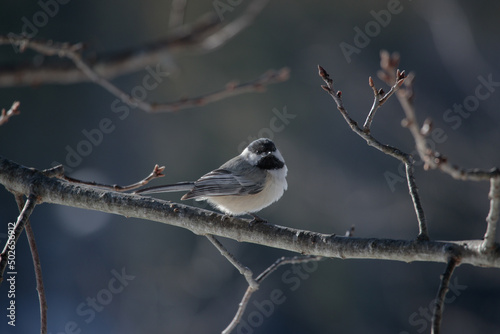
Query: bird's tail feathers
181, 186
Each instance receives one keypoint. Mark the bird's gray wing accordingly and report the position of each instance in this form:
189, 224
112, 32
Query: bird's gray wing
222, 182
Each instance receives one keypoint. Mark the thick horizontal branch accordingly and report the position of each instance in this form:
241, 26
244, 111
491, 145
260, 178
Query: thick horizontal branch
25, 180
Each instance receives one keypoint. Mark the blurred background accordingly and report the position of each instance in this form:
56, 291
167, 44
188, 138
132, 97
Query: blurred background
110, 274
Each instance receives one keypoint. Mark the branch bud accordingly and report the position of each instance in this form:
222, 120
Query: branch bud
370, 82
322, 72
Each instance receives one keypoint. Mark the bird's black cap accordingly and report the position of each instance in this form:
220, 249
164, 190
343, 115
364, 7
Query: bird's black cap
262, 145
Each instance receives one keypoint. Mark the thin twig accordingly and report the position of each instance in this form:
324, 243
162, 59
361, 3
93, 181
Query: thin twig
231, 89
392, 151
204, 35
432, 159
443, 289
14, 110
286, 260
245, 271
250, 290
18, 229
417, 205
241, 309
379, 99
156, 173
253, 284
38, 269
493, 214
221, 36
73, 52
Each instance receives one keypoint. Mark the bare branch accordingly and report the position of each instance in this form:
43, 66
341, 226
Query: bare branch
370, 140
286, 260
5, 115
443, 289
110, 65
379, 100
245, 271
493, 214
253, 284
204, 35
156, 173
25, 180
417, 205
221, 36
432, 159
38, 268
250, 290
22, 219
232, 89
72, 52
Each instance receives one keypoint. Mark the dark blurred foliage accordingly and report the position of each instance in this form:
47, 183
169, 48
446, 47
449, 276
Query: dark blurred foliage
181, 283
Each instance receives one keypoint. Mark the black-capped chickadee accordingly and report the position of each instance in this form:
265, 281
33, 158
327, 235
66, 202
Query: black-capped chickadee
245, 184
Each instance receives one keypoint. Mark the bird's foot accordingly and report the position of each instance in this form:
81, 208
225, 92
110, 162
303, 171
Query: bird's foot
256, 219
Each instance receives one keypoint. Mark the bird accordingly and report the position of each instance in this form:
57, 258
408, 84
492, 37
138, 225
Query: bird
243, 185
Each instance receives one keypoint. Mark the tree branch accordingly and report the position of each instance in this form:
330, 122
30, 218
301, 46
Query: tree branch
156, 173
72, 52
202, 222
493, 214
203, 35
431, 158
38, 268
22, 219
443, 289
364, 133
206, 34
245, 271
253, 284
250, 290
220, 37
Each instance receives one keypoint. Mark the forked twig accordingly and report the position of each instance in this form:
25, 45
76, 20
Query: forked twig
38, 268
250, 290
434, 159
73, 52
245, 271
372, 141
253, 284
431, 158
203, 35
22, 219
380, 97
